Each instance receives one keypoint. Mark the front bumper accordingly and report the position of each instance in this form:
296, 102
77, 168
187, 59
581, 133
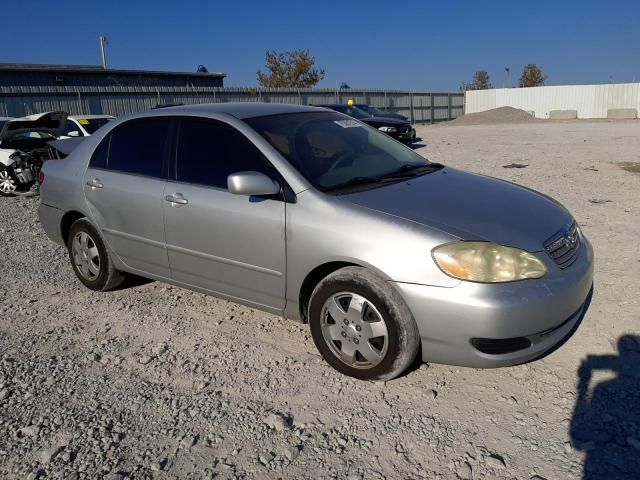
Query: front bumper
540, 314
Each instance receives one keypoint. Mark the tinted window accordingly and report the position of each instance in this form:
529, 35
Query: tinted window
138, 146
99, 157
70, 126
351, 111
210, 151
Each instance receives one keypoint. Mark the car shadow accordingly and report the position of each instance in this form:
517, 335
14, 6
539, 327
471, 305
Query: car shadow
606, 420
416, 146
132, 281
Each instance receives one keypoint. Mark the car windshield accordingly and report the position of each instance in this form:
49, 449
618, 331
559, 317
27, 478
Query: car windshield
32, 134
377, 112
92, 124
332, 151
351, 111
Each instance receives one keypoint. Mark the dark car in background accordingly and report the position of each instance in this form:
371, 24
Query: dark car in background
398, 129
376, 112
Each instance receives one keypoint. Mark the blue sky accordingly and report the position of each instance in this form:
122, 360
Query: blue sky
422, 45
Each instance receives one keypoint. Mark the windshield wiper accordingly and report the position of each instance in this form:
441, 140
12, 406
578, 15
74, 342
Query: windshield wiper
412, 169
409, 170
353, 182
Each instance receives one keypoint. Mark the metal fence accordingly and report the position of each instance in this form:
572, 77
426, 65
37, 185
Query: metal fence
589, 101
19, 101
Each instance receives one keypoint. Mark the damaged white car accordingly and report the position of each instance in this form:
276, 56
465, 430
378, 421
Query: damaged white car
24, 148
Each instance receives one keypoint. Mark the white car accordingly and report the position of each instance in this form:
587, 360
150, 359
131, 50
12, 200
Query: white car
84, 125
4, 120
24, 146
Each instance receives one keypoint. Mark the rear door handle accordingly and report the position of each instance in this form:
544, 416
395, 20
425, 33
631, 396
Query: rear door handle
176, 199
95, 183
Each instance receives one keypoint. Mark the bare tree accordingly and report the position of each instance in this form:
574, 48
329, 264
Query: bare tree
293, 68
532, 76
480, 81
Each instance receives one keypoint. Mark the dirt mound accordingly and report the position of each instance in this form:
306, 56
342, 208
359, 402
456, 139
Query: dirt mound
497, 115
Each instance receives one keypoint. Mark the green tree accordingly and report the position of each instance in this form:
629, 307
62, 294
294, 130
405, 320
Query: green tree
532, 76
293, 68
480, 81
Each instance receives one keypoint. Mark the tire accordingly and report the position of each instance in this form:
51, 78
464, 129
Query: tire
90, 259
379, 326
8, 182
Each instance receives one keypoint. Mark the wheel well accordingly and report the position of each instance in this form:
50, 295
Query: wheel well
67, 221
311, 281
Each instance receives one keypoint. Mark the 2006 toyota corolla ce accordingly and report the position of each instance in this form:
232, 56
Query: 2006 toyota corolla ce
308, 213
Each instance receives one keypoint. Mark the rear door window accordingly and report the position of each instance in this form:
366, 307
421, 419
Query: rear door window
209, 151
138, 147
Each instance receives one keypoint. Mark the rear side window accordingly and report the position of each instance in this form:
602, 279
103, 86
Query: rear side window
210, 151
138, 147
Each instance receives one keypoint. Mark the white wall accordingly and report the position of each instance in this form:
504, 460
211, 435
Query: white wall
591, 101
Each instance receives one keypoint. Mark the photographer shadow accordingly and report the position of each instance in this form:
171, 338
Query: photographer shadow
606, 423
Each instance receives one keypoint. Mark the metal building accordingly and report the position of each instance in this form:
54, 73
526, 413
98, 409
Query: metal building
42, 75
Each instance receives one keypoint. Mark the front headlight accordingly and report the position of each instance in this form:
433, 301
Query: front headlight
487, 262
387, 129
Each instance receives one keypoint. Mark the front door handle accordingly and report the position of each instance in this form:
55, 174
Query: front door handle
95, 183
176, 199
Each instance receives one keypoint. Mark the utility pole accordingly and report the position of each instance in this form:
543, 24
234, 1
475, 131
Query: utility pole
103, 42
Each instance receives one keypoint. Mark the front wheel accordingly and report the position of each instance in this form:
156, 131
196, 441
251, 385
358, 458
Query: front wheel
8, 182
362, 326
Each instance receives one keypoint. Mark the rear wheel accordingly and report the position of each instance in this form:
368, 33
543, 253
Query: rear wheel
362, 326
8, 183
90, 259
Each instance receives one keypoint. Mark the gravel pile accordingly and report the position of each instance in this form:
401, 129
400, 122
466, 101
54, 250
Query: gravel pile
153, 381
496, 115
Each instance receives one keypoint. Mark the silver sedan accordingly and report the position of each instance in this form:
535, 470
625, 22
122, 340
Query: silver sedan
305, 212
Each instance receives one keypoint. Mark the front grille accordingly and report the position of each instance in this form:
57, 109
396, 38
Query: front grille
564, 247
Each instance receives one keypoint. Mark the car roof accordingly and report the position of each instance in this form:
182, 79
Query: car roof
241, 110
89, 117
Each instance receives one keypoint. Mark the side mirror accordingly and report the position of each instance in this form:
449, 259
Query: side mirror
251, 183
73, 133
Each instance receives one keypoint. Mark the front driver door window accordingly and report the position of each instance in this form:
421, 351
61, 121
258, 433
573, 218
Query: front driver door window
232, 245
70, 126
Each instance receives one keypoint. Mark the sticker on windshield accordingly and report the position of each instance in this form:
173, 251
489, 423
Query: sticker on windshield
83, 121
348, 123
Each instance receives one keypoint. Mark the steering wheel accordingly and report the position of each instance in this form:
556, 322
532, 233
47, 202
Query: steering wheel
342, 158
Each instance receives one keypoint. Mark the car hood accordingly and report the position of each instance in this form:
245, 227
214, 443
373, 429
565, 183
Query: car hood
471, 207
395, 116
48, 122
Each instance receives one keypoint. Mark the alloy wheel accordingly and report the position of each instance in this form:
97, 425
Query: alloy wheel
7, 184
86, 256
354, 330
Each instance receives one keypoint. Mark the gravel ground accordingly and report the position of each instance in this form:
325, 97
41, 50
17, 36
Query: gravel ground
153, 381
